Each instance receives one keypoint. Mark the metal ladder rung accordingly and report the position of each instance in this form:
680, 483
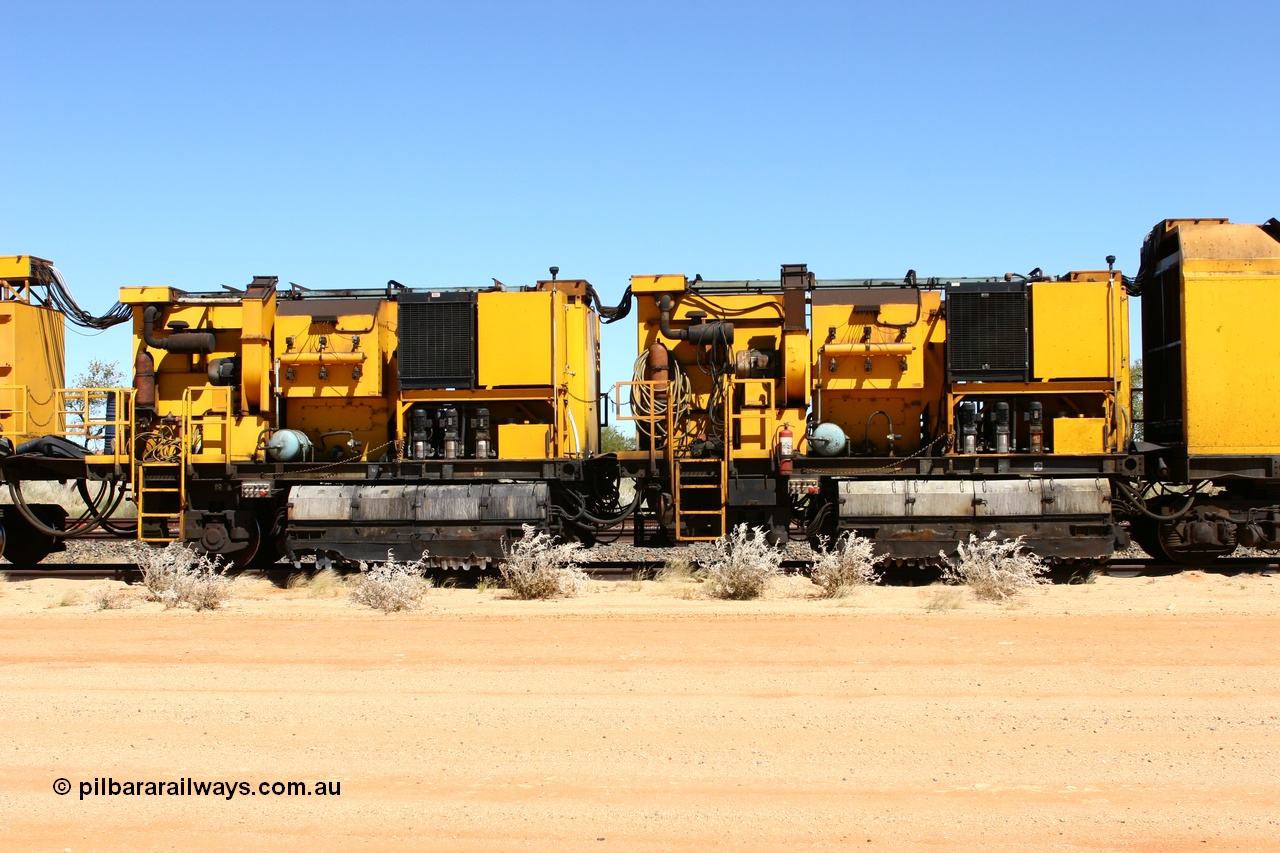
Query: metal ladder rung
699, 512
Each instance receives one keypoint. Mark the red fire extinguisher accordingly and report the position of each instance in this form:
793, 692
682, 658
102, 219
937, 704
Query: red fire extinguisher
785, 448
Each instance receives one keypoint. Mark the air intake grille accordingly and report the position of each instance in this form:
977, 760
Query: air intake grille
987, 335
437, 340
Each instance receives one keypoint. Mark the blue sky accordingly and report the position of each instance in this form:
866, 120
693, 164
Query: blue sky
340, 145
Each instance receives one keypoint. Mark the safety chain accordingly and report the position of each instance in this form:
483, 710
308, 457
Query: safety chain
895, 467
339, 462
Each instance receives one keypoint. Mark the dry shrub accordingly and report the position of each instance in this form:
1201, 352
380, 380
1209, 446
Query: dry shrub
325, 583
391, 586
850, 564
487, 584
677, 568
995, 569
535, 567
686, 591
945, 598
742, 565
106, 597
70, 598
179, 574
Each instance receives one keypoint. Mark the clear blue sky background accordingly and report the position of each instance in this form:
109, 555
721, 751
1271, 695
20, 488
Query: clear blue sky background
339, 145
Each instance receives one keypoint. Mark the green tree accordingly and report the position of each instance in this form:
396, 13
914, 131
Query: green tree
97, 374
100, 374
613, 439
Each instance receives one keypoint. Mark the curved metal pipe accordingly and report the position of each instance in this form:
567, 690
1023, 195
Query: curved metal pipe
1140, 504
703, 334
187, 343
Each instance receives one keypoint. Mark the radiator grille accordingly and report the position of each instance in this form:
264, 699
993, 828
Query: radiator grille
437, 340
987, 335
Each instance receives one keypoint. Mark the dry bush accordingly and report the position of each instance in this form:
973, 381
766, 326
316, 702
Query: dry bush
535, 567
995, 569
391, 586
945, 598
487, 584
850, 564
179, 574
70, 598
742, 565
107, 597
326, 583
1083, 576
677, 568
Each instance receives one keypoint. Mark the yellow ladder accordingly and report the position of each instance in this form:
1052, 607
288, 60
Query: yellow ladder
701, 486
700, 494
160, 476
158, 488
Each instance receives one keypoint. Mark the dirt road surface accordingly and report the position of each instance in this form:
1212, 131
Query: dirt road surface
1130, 714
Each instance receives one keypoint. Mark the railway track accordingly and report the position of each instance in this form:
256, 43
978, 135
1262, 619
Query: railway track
623, 571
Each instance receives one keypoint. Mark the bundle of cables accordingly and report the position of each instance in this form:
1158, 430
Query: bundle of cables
60, 298
646, 404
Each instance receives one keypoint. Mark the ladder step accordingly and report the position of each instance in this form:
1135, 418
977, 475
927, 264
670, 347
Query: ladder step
700, 512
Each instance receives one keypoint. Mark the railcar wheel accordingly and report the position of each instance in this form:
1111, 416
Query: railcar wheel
268, 551
1146, 535
215, 540
23, 545
1163, 543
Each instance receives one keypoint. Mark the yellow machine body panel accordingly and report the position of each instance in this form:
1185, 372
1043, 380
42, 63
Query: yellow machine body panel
1230, 350
32, 353
332, 360
32, 366
18, 267
524, 441
658, 284
872, 353
537, 372
222, 428
1080, 327
1079, 436
515, 345
342, 338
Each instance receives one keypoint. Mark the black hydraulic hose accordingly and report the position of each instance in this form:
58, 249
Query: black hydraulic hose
607, 523
610, 522
24, 509
1140, 505
114, 498
15, 491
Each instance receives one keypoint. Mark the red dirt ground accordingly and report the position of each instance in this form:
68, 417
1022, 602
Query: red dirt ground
1136, 714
